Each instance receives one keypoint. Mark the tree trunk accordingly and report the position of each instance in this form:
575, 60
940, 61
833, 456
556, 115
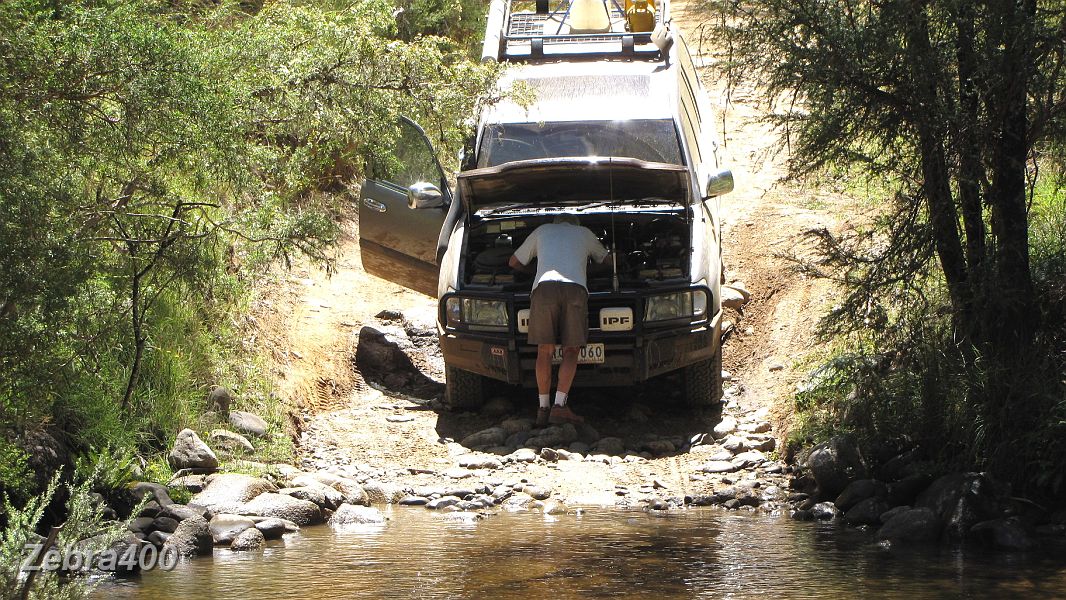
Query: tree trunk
971, 173
138, 341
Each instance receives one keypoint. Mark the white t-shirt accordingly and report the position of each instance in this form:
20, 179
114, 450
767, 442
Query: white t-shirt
563, 251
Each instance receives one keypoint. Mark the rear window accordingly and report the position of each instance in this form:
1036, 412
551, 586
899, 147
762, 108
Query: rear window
650, 140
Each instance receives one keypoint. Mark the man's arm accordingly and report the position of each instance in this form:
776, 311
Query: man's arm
517, 264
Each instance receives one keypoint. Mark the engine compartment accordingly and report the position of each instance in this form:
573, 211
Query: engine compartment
653, 248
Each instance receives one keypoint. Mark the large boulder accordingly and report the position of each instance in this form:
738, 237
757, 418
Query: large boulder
228, 492
322, 495
724, 427
960, 501
190, 452
351, 514
860, 490
493, 436
867, 512
351, 491
914, 526
249, 423
281, 506
274, 528
556, 436
381, 492
1005, 534
609, 445
180, 512
834, 464
191, 538
226, 527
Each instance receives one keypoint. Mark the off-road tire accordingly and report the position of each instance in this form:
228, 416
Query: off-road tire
703, 382
463, 389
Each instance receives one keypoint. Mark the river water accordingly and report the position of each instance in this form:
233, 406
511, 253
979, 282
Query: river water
704, 553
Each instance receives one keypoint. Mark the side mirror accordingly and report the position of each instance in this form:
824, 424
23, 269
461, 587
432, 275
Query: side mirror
424, 195
719, 183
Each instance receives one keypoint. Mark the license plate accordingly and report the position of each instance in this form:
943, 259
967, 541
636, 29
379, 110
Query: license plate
590, 354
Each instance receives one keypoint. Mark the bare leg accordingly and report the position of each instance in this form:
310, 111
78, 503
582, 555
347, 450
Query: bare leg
568, 368
544, 368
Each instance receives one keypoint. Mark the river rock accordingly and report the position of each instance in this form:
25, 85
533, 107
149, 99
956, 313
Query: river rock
352, 514
322, 495
228, 492
763, 443
226, 527
719, 466
493, 436
228, 440
914, 526
609, 445
191, 538
190, 452
734, 298
514, 425
906, 490
271, 504
413, 501
273, 528
959, 501
824, 511
219, 400
141, 524
191, 483
153, 491
497, 407
867, 512
736, 444
249, 423
860, 490
1004, 534
756, 427
901, 466
751, 458
888, 514
165, 524
180, 512
555, 436
835, 464
465, 517
380, 492
724, 427
518, 501
158, 538
523, 455
443, 502
350, 490
475, 461
659, 447
536, 492
249, 539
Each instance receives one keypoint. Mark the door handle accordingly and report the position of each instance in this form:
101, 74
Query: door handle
374, 205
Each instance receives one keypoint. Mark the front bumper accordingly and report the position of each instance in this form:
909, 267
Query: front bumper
627, 360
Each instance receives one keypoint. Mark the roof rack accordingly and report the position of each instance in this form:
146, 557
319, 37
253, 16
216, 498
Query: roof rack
521, 30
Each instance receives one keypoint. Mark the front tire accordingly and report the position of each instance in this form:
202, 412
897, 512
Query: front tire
703, 382
463, 389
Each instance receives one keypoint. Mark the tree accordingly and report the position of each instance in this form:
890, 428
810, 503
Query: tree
956, 105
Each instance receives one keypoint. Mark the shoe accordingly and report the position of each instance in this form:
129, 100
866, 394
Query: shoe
563, 414
542, 416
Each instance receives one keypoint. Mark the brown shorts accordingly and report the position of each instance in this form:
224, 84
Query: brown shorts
558, 314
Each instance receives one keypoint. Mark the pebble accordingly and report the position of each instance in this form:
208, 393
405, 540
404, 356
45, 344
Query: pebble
457, 473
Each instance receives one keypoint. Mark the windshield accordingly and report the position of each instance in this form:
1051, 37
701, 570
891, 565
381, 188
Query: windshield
649, 140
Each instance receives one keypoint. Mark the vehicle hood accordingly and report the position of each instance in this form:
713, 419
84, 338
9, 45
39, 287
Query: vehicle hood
550, 182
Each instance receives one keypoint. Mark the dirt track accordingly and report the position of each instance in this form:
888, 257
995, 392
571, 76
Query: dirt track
316, 325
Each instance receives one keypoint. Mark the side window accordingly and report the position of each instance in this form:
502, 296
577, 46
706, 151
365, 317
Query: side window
412, 160
691, 119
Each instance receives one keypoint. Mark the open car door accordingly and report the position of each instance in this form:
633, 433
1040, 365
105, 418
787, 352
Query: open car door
401, 210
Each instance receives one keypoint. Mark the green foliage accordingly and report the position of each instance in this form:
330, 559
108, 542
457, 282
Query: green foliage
154, 155
109, 469
16, 481
84, 529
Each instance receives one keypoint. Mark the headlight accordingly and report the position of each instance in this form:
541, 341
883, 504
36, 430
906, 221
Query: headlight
490, 313
476, 313
676, 305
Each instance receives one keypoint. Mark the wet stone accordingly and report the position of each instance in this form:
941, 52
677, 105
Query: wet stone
536, 492
443, 502
413, 501
824, 511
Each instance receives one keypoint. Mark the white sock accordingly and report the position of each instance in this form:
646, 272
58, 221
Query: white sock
560, 398
544, 402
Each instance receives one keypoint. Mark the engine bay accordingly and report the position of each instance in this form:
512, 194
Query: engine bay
652, 245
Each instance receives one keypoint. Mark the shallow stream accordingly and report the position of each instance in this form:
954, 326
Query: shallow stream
702, 553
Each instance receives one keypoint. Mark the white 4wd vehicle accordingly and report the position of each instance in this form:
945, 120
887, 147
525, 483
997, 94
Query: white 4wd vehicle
619, 132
